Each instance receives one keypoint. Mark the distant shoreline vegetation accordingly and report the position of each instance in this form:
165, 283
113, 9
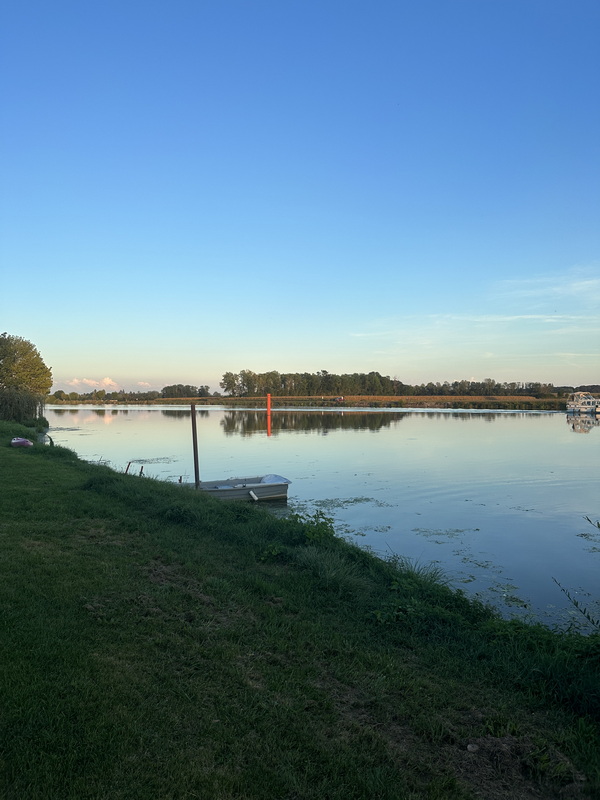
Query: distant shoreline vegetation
525, 403
356, 389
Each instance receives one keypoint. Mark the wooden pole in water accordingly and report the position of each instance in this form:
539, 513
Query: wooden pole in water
195, 445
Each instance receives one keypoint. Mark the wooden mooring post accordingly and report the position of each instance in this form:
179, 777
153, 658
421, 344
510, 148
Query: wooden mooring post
195, 445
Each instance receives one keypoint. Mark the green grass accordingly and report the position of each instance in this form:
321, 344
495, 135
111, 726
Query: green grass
160, 644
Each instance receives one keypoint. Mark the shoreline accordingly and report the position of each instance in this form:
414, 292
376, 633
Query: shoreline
400, 403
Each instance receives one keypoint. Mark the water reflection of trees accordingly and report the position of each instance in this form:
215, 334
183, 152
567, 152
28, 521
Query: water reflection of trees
179, 414
246, 423
100, 412
471, 416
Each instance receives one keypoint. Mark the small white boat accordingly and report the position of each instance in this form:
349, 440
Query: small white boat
265, 487
582, 403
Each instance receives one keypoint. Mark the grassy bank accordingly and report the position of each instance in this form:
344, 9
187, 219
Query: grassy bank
159, 644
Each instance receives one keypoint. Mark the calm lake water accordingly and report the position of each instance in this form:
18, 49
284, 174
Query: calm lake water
497, 499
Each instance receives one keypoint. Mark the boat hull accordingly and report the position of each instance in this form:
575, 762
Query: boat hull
249, 489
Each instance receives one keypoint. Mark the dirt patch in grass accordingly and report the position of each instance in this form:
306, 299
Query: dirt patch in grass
489, 767
513, 768
36, 544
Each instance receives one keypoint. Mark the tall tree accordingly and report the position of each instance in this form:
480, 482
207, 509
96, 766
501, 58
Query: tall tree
248, 383
179, 390
22, 367
230, 383
25, 380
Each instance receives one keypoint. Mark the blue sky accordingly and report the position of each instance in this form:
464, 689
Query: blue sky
190, 188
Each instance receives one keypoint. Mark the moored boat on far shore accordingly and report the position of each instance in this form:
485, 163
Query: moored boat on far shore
582, 403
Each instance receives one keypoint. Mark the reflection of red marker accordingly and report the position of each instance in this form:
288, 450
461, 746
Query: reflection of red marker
268, 415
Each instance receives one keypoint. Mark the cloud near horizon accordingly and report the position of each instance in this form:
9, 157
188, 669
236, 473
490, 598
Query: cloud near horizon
105, 383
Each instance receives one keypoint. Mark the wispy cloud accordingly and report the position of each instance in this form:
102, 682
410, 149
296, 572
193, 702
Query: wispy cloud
581, 284
382, 329
509, 318
557, 347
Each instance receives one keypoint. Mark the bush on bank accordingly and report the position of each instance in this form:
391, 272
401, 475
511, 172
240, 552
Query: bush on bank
22, 406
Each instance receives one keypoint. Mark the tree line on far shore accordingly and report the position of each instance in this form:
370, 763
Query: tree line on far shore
251, 384
102, 396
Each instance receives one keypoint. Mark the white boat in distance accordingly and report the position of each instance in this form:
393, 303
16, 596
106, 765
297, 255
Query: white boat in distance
265, 487
582, 403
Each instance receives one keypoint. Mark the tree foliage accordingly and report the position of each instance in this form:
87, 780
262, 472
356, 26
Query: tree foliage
185, 390
25, 380
19, 406
100, 396
22, 367
248, 384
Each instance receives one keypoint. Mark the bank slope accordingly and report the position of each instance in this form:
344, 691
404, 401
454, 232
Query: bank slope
160, 644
